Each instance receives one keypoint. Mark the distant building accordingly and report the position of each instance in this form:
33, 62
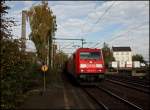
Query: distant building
122, 54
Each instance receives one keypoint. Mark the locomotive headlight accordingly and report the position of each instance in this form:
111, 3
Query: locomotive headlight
82, 70
99, 65
82, 65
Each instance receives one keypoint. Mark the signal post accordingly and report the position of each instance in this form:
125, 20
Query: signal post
44, 69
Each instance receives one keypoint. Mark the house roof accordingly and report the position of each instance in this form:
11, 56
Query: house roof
121, 48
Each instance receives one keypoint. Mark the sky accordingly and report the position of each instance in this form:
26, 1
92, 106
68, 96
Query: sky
118, 23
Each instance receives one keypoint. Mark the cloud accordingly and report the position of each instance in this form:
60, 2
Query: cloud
10, 4
122, 12
28, 3
127, 14
70, 15
137, 39
79, 19
77, 10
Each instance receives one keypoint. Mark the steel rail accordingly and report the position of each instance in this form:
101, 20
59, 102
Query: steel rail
97, 102
129, 86
139, 84
132, 80
118, 97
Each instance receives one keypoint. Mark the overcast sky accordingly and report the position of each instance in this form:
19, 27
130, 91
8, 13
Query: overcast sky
118, 23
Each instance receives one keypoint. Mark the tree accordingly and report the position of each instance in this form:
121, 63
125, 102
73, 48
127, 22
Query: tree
60, 59
43, 26
6, 22
16, 71
138, 57
107, 54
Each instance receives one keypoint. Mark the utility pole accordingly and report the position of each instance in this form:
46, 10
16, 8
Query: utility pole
50, 50
82, 40
51, 33
48, 54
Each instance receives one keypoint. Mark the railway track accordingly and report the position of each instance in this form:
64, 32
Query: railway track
136, 83
83, 99
110, 96
131, 80
108, 100
132, 93
98, 102
121, 99
144, 89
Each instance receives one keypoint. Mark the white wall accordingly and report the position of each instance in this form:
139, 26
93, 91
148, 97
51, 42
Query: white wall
123, 56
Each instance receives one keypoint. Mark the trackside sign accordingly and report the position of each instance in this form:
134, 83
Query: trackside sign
44, 68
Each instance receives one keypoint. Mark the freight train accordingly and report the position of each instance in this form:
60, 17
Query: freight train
86, 65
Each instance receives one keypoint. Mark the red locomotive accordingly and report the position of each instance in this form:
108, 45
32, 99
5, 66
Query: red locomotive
86, 64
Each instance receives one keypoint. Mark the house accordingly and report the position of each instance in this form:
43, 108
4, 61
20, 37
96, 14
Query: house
123, 55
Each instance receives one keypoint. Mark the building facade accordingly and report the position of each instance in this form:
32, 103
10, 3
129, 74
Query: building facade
122, 54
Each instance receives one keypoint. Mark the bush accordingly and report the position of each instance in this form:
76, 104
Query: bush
18, 75
17, 69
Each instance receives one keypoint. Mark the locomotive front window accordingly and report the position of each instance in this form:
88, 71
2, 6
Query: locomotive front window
90, 55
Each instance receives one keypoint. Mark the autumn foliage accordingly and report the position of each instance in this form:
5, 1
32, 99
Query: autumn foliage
18, 69
43, 27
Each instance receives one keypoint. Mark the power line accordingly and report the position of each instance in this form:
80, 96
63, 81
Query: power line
130, 30
96, 44
35, 3
66, 46
89, 43
66, 35
73, 4
82, 40
100, 18
104, 13
87, 17
67, 39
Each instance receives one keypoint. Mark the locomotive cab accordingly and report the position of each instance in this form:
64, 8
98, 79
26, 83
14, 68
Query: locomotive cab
87, 65
91, 65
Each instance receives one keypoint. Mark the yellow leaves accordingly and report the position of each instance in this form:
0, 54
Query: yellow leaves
43, 25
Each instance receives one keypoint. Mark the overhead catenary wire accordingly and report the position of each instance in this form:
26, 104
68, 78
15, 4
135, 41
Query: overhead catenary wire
66, 46
73, 3
100, 18
85, 23
114, 38
104, 14
121, 35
